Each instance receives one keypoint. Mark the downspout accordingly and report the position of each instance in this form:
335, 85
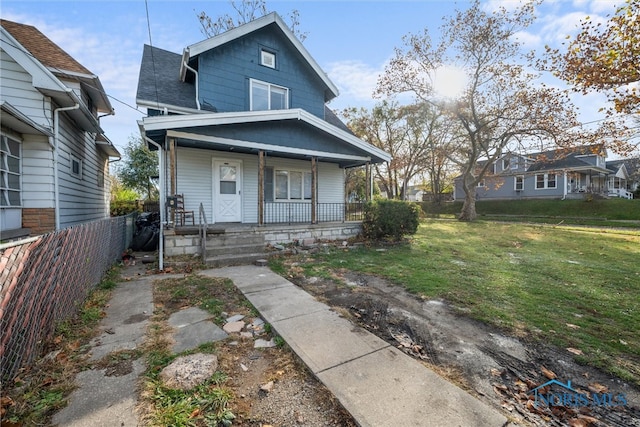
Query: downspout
56, 137
197, 87
564, 195
162, 202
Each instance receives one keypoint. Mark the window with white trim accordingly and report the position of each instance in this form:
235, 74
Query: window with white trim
75, 166
10, 175
546, 180
505, 164
292, 185
518, 183
268, 59
481, 183
266, 96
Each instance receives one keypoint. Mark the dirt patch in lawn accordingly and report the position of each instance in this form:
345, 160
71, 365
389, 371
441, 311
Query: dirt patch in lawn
501, 370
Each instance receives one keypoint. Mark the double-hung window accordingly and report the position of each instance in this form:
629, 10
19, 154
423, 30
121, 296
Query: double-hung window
519, 183
266, 96
546, 180
292, 185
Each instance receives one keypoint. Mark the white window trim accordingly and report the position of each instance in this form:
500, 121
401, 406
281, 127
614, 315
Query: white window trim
515, 182
506, 164
4, 186
267, 58
289, 199
481, 184
269, 86
546, 181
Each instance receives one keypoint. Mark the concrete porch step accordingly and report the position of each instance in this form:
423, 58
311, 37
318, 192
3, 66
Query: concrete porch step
231, 249
234, 239
235, 259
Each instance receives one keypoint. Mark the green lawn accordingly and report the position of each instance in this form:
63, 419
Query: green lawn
568, 286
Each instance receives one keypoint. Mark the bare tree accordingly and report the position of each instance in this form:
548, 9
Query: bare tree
402, 131
246, 11
501, 106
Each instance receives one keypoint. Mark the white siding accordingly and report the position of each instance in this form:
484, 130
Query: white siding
195, 179
17, 90
37, 173
81, 198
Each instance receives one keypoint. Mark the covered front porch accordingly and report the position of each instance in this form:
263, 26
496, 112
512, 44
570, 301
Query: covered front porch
257, 171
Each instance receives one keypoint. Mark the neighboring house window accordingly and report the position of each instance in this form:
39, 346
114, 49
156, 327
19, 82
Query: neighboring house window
481, 183
292, 185
268, 59
9, 172
265, 96
76, 166
546, 180
519, 183
515, 163
505, 164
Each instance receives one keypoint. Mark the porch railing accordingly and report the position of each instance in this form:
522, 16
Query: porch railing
620, 192
300, 212
202, 231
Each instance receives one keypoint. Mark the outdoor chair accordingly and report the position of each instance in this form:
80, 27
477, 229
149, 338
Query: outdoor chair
182, 215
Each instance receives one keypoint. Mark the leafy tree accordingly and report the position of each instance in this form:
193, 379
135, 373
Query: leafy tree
605, 58
501, 108
246, 11
139, 167
404, 132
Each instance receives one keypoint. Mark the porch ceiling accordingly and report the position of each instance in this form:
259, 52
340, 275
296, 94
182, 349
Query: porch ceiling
284, 133
184, 139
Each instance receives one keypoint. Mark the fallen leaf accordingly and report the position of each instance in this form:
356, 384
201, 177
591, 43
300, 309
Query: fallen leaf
521, 385
623, 342
572, 326
574, 351
578, 422
547, 373
496, 372
195, 413
597, 388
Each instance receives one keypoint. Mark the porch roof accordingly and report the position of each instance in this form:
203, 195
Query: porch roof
292, 133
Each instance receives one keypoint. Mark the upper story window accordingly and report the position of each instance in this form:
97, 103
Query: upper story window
505, 164
268, 59
265, 96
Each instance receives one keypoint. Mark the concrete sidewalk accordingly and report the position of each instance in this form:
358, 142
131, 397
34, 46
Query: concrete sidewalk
103, 399
378, 384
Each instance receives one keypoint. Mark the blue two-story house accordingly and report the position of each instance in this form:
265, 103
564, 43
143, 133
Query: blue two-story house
243, 126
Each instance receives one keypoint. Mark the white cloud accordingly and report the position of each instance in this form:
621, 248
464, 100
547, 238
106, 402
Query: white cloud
527, 39
355, 80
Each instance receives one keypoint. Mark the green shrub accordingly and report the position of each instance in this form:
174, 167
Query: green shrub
124, 207
390, 219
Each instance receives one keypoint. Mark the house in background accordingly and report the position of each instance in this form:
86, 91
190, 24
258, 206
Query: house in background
244, 130
53, 154
624, 175
555, 174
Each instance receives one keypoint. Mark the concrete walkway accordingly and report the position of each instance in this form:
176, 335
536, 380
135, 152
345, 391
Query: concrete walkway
378, 384
102, 399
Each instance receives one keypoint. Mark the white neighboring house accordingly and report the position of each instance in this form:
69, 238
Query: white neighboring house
54, 156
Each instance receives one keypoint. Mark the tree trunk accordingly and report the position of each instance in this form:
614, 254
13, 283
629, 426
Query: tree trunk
468, 212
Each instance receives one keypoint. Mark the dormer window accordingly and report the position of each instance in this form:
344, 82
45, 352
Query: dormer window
268, 59
265, 96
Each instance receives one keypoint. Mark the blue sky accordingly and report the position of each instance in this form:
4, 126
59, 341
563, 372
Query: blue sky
351, 40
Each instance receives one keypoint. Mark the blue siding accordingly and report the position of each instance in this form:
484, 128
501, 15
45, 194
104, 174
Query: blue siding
503, 187
288, 134
224, 73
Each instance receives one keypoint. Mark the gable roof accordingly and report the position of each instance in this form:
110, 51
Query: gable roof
631, 165
159, 85
57, 61
565, 158
272, 18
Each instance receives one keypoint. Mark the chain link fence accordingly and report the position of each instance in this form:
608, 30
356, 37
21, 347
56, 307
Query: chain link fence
45, 279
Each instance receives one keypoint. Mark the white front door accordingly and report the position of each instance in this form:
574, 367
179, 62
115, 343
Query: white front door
227, 190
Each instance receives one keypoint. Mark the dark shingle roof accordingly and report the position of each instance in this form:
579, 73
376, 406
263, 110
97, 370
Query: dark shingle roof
632, 165
159, 79
563, 157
